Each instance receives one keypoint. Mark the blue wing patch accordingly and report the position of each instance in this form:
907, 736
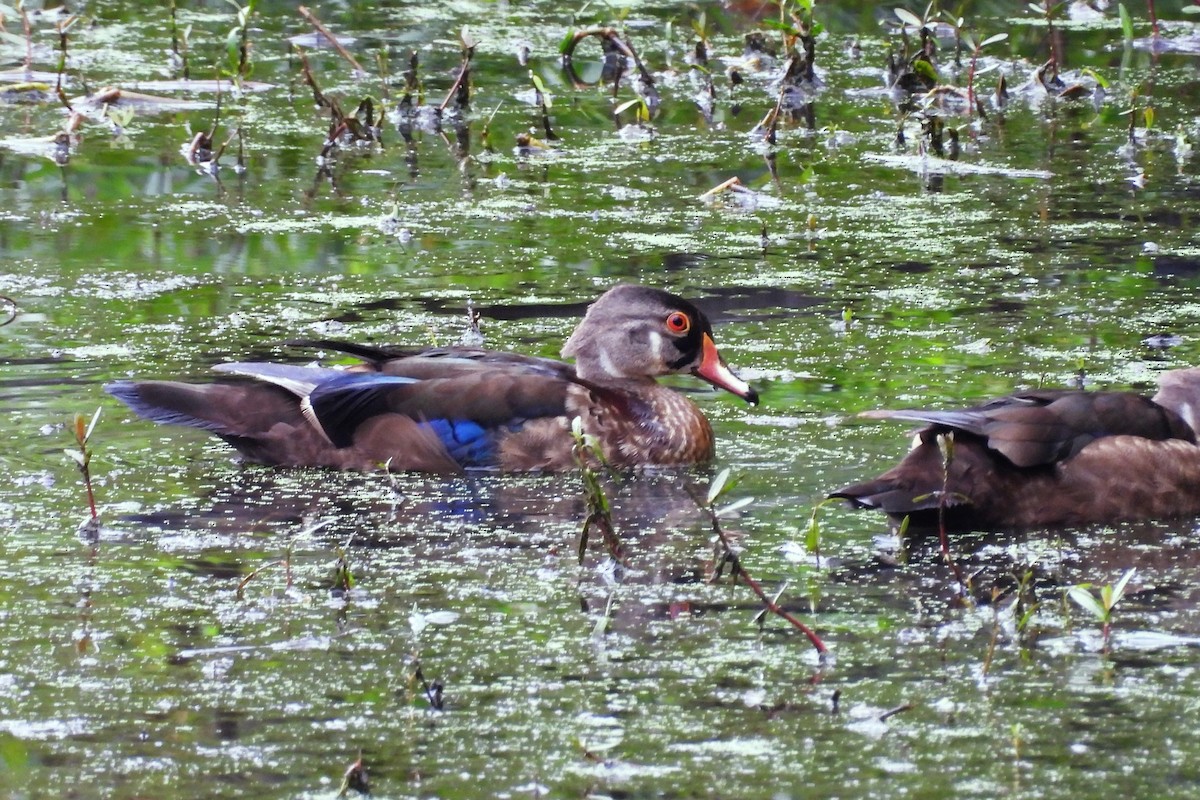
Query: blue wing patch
468, 442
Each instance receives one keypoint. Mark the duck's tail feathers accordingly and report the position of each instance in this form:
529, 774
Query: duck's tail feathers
174, 403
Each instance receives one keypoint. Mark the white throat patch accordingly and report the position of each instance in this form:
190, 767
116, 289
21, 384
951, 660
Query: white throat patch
606, 364
656, 345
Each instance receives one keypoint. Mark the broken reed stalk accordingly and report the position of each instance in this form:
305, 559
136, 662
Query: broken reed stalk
180, 57
971, 101
212, 133
460, 89
770, 123
737, 570
321, 29
241, 587
318, 96
995, 637
28, 28
614, 39
220, 151
885, 716
434, 692
381, 63
724, 186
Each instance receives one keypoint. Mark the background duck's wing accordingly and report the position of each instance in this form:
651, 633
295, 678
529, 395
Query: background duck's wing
1038, 428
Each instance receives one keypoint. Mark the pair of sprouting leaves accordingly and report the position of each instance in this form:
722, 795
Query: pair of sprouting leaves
1110, 595
83, 432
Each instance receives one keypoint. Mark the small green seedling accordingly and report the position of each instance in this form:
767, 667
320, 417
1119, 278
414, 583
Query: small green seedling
83, 455
1101, 607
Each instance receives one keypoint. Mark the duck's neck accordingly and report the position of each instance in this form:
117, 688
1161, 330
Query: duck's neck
646, 423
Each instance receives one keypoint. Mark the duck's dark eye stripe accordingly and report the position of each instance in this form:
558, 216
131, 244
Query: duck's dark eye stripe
681, 362
688, 347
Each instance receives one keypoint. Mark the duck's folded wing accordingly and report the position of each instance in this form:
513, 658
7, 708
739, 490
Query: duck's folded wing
468, 413
434, 362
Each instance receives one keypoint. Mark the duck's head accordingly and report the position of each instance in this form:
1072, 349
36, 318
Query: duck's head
636, 332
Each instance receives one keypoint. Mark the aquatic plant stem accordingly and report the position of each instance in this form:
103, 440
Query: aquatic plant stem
310, 80
586, 452
321, 29
1051, 37
946, 445
83, 456
739, 571
457, 89
91, 494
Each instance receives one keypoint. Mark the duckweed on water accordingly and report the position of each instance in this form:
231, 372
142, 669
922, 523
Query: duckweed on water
135, 670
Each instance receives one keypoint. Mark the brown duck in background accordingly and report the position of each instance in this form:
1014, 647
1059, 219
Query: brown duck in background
450, 409
1047, 458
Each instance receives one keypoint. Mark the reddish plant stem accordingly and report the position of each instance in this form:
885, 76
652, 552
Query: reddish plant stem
739, 571
341, 51
463, 73
91, 495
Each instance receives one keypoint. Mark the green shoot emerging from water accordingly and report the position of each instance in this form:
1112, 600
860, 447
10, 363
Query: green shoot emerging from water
720, 485
83, 456
976, 48
237, 42
1101, 608
343, 579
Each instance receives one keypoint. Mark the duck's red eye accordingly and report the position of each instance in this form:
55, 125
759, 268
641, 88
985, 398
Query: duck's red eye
678, 322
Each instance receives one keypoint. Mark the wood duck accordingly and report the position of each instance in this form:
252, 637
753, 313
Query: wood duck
451, 409
1048, 458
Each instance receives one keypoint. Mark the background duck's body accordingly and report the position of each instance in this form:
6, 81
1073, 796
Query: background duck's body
451, 409
1048, 458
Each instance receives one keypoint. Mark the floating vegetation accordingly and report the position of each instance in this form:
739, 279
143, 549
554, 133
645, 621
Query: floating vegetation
925, 164
931, 206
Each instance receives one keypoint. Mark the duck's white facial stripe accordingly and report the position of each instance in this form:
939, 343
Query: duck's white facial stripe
620, 366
